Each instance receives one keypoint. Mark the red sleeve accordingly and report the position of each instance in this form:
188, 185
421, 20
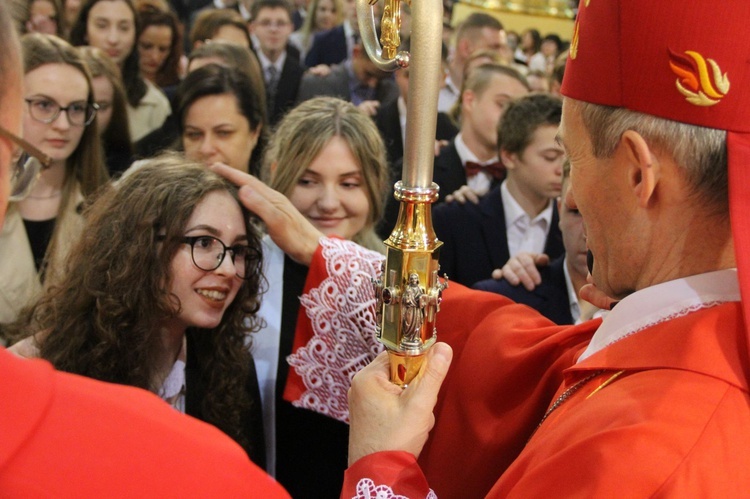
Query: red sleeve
385, 474
507, 365
303, 333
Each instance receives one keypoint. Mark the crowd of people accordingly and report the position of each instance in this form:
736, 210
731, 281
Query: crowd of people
197, 207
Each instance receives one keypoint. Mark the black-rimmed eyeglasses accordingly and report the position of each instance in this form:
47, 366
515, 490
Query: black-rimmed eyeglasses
28, 163
208, 253
46, 110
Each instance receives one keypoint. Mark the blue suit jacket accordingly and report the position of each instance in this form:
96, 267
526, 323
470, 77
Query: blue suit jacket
328, 47
475, 241
550, 298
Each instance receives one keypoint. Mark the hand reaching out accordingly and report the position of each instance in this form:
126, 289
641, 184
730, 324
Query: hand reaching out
369, 107
463, 194
522, 269
596, 297
320, 70
439, 144
288, 228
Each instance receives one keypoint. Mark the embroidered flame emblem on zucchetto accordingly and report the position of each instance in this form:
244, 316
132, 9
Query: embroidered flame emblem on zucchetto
573, 50
699, 79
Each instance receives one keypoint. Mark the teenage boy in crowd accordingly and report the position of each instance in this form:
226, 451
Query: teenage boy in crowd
471, 158
556, 292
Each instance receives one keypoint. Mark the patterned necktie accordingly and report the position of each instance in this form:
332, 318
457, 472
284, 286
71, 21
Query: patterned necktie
495, 169
272, 83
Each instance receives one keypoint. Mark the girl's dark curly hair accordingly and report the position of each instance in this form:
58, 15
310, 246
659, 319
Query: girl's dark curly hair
102, 318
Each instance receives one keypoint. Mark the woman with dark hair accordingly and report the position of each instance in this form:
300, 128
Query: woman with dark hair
59, 120
159, 45
111, 117
235, 56
112, 25
220, 116
161, 293
551, 47
224, 54
527, 51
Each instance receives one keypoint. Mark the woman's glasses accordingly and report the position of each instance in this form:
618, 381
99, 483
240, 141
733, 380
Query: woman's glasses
208, 253
46, 110
28, 163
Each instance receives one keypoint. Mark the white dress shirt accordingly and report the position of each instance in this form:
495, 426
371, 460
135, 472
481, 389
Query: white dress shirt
401, 104
448, 95
525, 234
265, 62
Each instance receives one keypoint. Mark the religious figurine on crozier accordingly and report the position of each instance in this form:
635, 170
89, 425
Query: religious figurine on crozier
413, 302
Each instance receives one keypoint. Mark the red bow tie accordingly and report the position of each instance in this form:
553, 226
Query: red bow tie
496, 169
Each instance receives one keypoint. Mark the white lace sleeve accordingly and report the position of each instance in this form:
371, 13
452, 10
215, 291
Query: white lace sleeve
367, 489
342, 313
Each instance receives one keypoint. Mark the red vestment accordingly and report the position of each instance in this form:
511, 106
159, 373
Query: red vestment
675, 422
68, 436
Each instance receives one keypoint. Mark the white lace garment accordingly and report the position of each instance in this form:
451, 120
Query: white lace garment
342, 312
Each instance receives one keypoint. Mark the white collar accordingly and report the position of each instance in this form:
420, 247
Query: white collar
514, 212
265, 62
662, 302
465, 153
348, 30
174, 382
244, 12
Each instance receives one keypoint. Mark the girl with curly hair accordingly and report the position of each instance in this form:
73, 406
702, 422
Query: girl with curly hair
161, 293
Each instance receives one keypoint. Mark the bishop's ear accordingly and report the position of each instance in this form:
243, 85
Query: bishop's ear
643, 166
